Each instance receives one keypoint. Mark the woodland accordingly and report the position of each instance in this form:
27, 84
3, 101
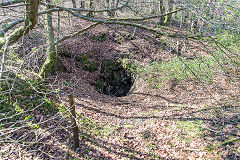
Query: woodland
119, 79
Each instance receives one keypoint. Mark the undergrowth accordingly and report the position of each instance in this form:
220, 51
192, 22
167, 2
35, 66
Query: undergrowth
22, 99
158, 73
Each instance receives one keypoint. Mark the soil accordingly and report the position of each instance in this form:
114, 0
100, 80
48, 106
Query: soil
181, 120
178, 121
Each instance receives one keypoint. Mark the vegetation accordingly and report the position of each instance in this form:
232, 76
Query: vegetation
123, 79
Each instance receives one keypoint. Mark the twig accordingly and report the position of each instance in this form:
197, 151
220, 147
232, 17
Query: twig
3, 58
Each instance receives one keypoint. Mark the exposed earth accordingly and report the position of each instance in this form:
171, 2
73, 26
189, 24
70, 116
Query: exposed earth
180, 120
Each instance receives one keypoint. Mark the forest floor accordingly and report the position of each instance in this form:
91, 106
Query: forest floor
176, 121
180, 120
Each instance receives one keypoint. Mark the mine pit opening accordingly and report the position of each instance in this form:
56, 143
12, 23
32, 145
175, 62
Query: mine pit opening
114, 80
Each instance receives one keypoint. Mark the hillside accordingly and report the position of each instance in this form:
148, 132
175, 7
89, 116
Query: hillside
138, 94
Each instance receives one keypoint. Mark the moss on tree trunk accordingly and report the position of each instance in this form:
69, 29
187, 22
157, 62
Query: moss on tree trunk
29, 23
51, 52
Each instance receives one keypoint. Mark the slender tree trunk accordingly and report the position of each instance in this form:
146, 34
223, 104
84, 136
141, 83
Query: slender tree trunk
51, 52
5, 14
3, 59
73, 121
82, 4
58, 36
162, 11
174, 15
212, 12
110, 5
90, 14
74, 3
170, 9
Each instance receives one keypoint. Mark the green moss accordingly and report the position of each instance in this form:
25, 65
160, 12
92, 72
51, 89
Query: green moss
100, 85
17, 34
109, 66
86, 64
84, 68
157, 35
78, 58
67, 53
238, 126
163, 41
84, 58
47, 66
101, 37
92, 67
25, 95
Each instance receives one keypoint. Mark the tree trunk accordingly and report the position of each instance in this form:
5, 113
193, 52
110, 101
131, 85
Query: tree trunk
109, 5
213, 8
174, 15
31, 15
162, 11
90, 14
170, 9
74, 3
51, 52
82, 4
73, 121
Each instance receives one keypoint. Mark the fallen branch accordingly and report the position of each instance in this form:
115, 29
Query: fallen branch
11, 2
228, 141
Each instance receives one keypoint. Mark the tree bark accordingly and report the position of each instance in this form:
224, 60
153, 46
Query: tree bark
162, 11
73, 121
51, 52
110, 5
31, 16
170, 9
74, 3
90, 14
82, 4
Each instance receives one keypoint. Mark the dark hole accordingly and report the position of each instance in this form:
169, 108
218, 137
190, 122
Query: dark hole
114, 79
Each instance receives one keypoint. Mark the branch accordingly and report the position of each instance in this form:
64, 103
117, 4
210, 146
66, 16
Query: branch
132, 24
11, 2
29, 23
11, 25
74, 34
18, 5
146, 18
3, 59
86, 10
229, 141
69, 10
